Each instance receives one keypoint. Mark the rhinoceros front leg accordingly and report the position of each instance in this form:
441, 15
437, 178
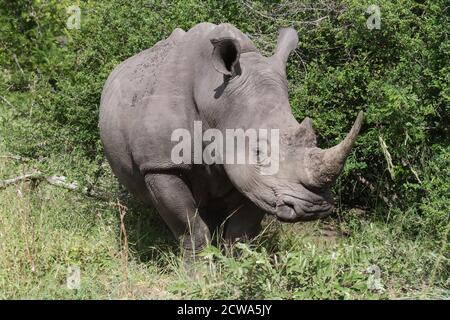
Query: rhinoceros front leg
244, 223
176, 205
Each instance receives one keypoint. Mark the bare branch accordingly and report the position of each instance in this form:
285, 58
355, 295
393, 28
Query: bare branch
54, 180
14, 157
295, 22
256, 11
25, 177
60, 181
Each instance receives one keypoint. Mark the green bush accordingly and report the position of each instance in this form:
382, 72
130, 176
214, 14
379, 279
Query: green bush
52, 78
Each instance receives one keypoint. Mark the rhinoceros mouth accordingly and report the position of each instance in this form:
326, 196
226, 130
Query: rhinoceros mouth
293, 209
287, 213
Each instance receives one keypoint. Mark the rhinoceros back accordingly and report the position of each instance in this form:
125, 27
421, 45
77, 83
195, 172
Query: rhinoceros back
148, 96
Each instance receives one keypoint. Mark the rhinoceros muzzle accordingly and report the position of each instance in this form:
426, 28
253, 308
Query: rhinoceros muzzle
294, 211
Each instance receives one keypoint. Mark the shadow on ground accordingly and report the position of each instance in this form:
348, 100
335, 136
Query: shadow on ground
148, 236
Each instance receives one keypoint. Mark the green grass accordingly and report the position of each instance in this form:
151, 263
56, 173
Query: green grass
45, 229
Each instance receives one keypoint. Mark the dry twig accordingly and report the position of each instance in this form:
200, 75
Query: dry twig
54, 180
25, 177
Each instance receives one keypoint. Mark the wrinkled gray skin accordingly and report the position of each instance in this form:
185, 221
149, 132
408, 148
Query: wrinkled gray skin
213, 73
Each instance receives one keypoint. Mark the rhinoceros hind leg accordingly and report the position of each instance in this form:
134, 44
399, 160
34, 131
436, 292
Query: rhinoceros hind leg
176, 205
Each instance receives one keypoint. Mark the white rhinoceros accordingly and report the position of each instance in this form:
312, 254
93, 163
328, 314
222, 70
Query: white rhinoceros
214, 74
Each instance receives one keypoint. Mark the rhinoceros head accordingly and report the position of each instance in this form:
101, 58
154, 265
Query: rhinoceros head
250, 91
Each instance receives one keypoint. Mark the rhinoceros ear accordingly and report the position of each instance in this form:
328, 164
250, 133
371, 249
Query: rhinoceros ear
286, 43
305, 135
225, 55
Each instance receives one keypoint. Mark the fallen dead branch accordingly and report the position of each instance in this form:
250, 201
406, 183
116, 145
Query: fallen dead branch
60, 181
25, 177
14, 157
54, 180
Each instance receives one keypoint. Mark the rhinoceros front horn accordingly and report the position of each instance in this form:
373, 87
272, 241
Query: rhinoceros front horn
325, 165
